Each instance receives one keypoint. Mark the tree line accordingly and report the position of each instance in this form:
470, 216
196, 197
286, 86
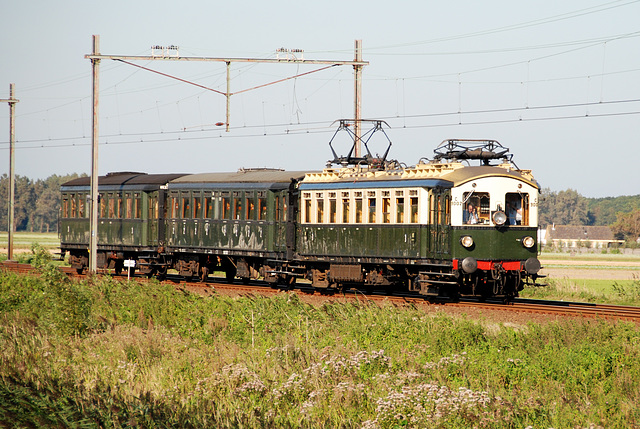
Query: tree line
568, 207
37, 204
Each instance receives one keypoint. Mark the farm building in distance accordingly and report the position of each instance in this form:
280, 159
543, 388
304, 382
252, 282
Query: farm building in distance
574, 236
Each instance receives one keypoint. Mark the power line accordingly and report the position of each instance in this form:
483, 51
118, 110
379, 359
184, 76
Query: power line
325, 129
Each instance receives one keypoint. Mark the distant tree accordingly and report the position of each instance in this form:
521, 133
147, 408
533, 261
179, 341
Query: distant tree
603, 211
37, 204
546, 207
627, 227
562, 208
25, 201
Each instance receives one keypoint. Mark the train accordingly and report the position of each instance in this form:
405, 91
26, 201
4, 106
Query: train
443, 227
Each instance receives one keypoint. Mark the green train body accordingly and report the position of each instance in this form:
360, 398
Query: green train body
437, 228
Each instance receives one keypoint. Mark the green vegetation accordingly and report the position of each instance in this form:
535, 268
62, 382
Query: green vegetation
110, 353
620, 292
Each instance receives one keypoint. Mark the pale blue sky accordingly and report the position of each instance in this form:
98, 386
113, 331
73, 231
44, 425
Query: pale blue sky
556, 82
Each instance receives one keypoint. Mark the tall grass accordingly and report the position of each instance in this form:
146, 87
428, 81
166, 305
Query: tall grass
109, 353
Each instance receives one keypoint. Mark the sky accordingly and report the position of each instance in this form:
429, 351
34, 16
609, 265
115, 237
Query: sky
558, 83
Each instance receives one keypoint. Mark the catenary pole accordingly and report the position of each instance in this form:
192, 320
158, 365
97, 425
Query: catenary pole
93, 227
12, 168
357, 69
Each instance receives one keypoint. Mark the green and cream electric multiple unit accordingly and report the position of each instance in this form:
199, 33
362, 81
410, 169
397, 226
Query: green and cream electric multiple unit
439, 228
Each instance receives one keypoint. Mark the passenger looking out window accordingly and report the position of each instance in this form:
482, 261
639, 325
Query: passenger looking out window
470, 215
514, 209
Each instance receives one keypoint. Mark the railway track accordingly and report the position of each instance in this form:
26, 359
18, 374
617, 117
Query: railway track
557, 308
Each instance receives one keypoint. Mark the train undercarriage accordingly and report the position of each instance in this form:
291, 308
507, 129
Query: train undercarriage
433, 279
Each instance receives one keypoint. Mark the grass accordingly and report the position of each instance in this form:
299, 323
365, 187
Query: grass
621, 292
109, 353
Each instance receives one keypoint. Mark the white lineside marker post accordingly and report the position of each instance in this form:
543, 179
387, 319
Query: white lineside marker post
129, 263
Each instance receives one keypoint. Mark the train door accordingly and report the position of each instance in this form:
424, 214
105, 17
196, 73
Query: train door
439, 223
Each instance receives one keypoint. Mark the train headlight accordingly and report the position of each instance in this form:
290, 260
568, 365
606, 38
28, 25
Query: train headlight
528, 242
466, 241
499, 218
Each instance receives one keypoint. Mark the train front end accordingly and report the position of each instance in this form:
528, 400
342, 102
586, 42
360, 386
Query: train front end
494, 225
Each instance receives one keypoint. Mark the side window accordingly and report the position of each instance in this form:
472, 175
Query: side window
333, 207
208, 206
197, 206
399, 209
111, 206
359, 207
226, 205
345, 207
175, 205
251, 207
319, 207
81, 205
237, 205
413, 201
128, 203
307, 208
72, 199
371, 207
262, 206
103, 205
119, 208
153, 206
137, 205
65, 206
185, 211
386, 207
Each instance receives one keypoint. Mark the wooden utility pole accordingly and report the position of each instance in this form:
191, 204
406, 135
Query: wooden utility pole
12, 167
93, 224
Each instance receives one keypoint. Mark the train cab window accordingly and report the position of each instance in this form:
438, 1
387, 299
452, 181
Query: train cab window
413, 201
137, 205
476, 208
517, 208
399, 209
262, 206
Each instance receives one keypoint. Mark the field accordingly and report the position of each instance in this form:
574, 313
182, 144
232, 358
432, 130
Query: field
22, 241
